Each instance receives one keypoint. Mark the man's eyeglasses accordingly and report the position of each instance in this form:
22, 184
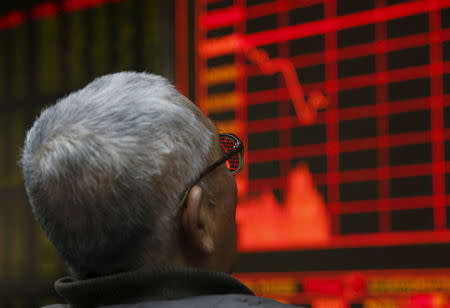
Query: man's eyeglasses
233, 157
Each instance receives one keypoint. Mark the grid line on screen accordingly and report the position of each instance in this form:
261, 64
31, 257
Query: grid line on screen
379, 151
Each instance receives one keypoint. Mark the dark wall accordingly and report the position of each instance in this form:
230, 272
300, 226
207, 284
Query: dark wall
41, 59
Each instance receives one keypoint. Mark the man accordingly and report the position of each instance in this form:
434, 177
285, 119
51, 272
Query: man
134, 187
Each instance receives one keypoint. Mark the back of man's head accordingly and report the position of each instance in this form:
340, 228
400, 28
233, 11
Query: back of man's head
106, 166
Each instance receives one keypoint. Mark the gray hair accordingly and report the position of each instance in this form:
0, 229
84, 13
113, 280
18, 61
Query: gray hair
106, 166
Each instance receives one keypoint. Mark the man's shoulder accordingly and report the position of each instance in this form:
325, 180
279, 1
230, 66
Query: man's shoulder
241, 300
219, 301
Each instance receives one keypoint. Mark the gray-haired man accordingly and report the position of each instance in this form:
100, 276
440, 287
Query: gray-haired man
132, 184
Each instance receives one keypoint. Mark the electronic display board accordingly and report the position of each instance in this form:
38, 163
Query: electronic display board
344, 108
377, 149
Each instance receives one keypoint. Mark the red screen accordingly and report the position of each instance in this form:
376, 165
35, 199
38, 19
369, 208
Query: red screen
342, 108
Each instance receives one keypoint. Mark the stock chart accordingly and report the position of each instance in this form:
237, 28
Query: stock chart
344, 108
376, 83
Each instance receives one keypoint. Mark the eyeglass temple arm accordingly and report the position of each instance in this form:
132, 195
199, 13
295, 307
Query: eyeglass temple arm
237, 149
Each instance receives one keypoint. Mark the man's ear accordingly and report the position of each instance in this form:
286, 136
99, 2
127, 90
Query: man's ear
194, 221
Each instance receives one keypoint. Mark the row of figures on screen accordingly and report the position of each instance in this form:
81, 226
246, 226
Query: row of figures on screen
411, 301
367, 289
300, 221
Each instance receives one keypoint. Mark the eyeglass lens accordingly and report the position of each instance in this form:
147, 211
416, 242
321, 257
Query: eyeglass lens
228, 143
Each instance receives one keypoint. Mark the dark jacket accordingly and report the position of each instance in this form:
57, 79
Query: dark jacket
165, 288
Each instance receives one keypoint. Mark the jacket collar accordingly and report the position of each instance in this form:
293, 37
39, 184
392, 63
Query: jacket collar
157, 284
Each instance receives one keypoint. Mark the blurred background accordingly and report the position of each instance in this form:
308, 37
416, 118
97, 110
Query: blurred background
343, 106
